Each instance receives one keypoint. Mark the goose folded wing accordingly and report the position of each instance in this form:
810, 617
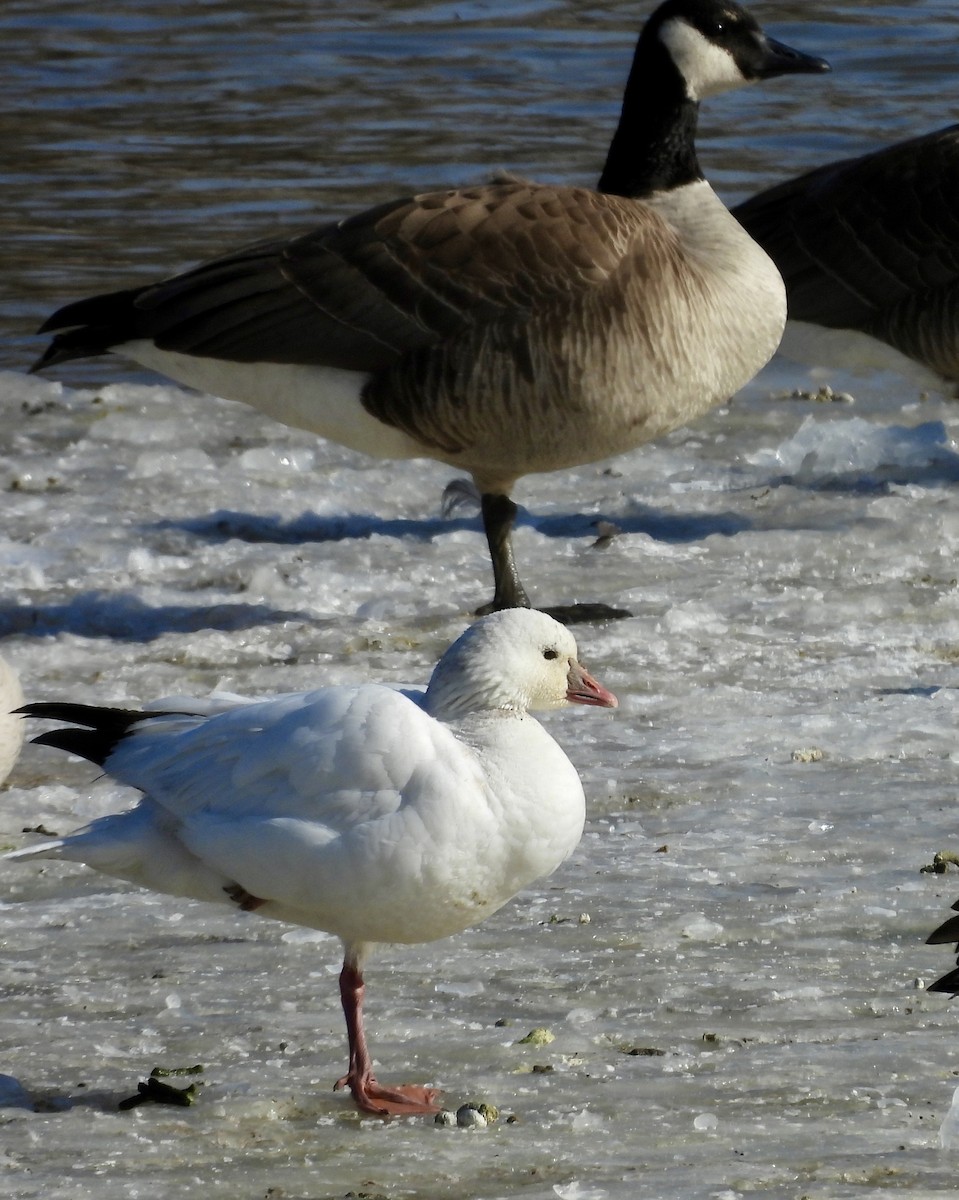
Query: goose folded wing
273, 794
857, 236
363, 293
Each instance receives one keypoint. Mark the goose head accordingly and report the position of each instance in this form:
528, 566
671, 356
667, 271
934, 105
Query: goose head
514, 660
717, 45
687, 51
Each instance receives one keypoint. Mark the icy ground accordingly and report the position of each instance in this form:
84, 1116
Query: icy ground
739, 1013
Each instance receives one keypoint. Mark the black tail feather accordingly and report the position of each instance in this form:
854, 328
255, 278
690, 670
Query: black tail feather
948, 931
948, 983
78, 343
92, 326
102, 728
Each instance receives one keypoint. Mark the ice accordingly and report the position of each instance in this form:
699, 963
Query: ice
861, 452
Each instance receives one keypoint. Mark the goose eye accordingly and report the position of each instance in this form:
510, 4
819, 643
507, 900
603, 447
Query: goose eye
550, 654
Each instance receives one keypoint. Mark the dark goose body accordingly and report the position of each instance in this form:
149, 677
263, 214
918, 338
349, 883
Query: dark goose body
869, 250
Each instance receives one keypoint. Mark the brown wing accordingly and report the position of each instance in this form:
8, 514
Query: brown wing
364, 293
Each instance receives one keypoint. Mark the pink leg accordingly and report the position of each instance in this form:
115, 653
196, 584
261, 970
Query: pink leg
368, 1095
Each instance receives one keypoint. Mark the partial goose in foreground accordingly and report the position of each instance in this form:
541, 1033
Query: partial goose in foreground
375, 814
504, 329
948, 931
869, 250
11, 727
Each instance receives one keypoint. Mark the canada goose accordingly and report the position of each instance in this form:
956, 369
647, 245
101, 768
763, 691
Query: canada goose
869, 250
504, 329
375, 814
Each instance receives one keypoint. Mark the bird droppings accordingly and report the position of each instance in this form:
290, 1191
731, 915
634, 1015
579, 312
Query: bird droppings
606, 533
39, 829
536, 1037
941, 862
821, 395
154, 1091
556, 919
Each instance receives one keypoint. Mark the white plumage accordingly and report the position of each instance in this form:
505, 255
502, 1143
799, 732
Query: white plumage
375, 814
11, 727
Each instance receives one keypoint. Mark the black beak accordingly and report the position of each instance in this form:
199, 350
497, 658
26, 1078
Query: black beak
784, 60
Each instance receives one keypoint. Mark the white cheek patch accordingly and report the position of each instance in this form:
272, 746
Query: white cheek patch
707, 69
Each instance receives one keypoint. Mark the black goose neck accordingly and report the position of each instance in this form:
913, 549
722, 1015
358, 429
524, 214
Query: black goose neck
654, 146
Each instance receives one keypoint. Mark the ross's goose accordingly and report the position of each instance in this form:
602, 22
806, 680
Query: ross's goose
376, 814
11, 727
506, 328
869, 250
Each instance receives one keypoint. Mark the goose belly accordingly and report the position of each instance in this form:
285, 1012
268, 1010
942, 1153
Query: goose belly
621, 383
323, 400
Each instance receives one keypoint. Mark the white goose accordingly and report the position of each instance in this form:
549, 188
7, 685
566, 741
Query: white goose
948, 931
11, 727
504, 329
375, 814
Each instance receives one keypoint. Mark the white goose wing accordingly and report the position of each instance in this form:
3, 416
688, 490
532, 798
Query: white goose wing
304, 798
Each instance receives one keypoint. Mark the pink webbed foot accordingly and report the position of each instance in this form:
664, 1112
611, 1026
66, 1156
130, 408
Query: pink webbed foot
405, 1100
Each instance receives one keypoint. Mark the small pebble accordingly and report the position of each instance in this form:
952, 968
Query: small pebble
445, 1117
469, 1117
807, 755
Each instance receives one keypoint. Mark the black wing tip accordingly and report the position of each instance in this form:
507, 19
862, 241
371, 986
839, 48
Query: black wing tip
100, 728
77, 343
90, 327
93, 716
49, 358
948, 984
948, 931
